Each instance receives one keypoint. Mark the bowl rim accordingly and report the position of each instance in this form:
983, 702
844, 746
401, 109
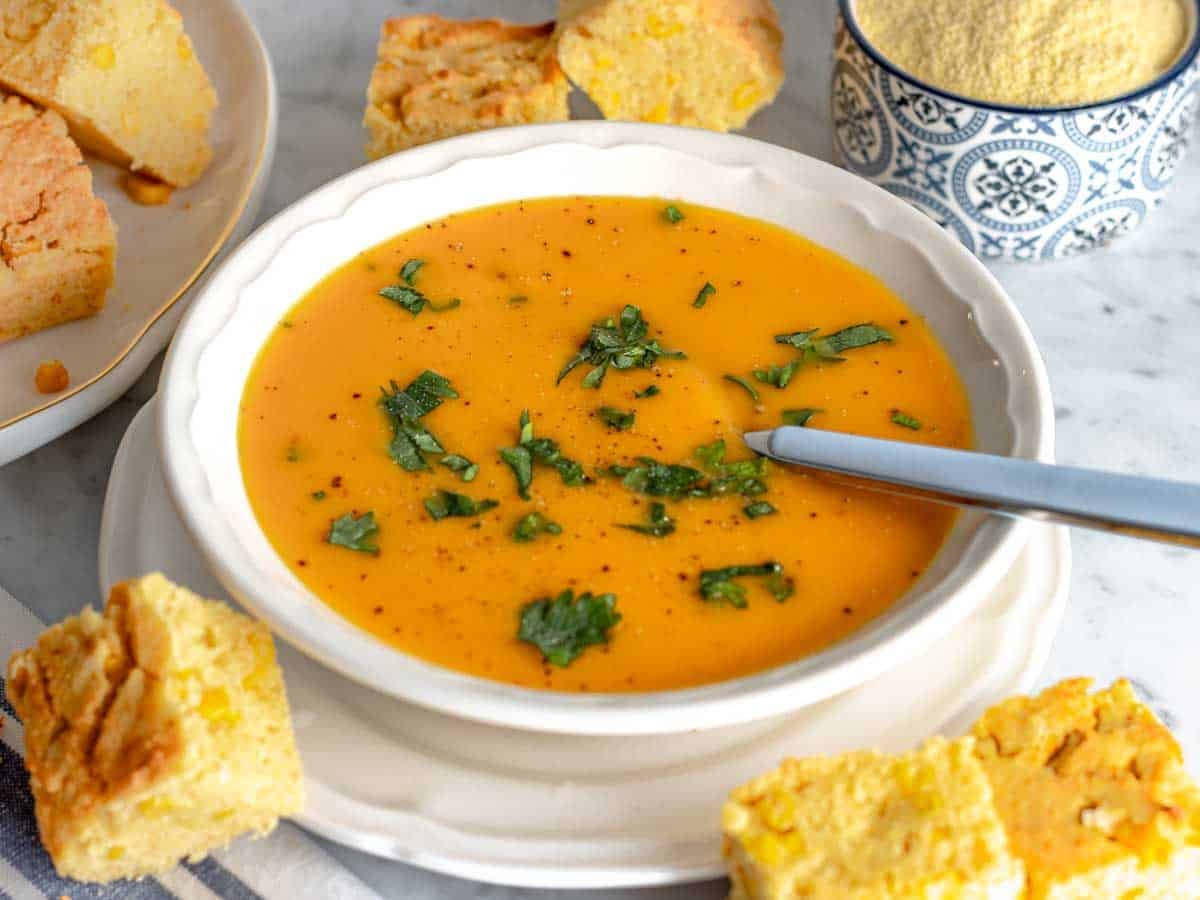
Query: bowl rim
360, 656
1189, 54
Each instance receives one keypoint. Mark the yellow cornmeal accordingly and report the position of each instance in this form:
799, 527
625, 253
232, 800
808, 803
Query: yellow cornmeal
1028, 52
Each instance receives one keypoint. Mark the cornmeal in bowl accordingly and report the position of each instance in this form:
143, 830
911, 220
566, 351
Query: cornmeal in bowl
156, 730
123, 74
57, 242
1093, 794
436, 78
865, 826
707, 63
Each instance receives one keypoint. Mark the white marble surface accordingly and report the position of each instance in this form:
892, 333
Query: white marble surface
1120, 331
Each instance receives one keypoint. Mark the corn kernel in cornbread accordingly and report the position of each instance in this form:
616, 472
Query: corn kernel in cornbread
707, 63
1093, 795
870, 827
1029, 52
121, 72
154, 731
436, 78
57, 242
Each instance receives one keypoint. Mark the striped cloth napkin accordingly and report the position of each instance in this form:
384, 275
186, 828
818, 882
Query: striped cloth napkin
288, 864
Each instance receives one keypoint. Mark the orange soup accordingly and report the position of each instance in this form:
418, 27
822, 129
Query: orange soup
509, 443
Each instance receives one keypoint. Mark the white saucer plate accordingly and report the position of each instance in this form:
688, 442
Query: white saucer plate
544, 810
162, 250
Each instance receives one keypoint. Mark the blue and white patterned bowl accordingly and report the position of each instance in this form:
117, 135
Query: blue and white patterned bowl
1012, 182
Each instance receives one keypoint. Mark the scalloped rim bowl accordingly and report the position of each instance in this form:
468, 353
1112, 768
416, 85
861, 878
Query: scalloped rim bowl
241, 303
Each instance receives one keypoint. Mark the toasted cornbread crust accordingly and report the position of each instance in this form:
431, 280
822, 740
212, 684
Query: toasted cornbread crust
154, 731
1093, 794
706, 63
57, 242
870, 827
121, 72
436, 78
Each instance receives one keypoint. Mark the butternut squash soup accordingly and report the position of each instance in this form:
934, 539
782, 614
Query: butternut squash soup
509, 443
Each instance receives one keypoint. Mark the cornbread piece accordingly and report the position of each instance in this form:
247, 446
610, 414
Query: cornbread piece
870, 827
1093, 794
156, 730
122, 73
57, 243
710, 63
436, 78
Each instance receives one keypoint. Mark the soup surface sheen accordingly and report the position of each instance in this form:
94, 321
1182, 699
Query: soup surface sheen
532, 278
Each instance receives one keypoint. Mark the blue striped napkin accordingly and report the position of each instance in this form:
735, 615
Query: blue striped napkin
287, 864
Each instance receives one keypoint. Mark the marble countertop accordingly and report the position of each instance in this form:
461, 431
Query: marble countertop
1120, 331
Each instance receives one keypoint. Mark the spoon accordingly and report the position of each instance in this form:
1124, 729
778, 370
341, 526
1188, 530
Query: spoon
1149, 508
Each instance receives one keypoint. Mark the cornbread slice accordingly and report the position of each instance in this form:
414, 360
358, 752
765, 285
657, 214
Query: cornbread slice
156, 730
865, 826
1093, 794
436, 78
708, 63
57, 242
122, 73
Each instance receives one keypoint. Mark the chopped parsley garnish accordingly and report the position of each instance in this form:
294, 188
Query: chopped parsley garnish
407, 297
744, 384
759, 509
617, 344
318, 495
529, 527
447, 504
651, 391
517, 300
465, 469
293, 453
658, 479
617, 418
673, 215
405, 408
562, 628
798, 417
744, 476
831, 347
779, 376
705, 292
545, 451
718, 586
658, 524
409, 271
904, 420
354, 533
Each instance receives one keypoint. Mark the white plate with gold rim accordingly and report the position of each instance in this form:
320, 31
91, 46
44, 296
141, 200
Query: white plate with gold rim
546, 810
162, 250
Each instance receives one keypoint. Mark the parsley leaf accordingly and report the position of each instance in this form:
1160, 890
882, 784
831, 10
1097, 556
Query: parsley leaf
831, 346
744, 477
617, 344
318, 495
705, 292
673, 215
466, 469
532, 449
354, 533
651, 391
409, 270
798, 417
779, 376
904, 420
447, 504
658, 523
743, 383
562, 628
529, 527
657, 479
758, 509
617, 418
404, 408
718, 586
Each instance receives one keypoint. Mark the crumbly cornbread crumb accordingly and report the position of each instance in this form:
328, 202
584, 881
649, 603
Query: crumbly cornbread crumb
707, 63
57, 242
154, 731
436, 78
865, 826
1093, 794
123, 74
51, 377
1029, 52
